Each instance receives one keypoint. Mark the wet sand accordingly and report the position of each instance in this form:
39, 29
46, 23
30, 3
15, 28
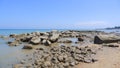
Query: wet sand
107, 58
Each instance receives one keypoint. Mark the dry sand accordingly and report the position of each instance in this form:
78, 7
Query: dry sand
107, 58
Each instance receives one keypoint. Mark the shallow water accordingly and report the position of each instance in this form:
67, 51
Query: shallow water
10, 55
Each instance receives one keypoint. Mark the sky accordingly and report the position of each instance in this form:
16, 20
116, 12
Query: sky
59, 14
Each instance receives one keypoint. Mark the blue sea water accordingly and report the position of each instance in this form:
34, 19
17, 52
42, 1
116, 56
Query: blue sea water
20, 31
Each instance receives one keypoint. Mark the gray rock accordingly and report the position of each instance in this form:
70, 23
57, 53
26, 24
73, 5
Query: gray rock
46, 42
54, 37
35, 40
99, 39
25, 39
72, 64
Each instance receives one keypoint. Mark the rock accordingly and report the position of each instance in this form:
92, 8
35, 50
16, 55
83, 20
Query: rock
14, 43
72, 64
54, 37
37, 33
86, 60
29, 66
60, 58
22, 62
35, 40
99, 39
111, 45
46, 42
12, 35
44, 34
54, 60
80, 39
26, 39
28, 46
47, 63
43, 38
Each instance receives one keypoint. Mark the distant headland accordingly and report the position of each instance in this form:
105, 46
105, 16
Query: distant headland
116, 27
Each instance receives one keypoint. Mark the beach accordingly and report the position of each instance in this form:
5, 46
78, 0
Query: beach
60, 49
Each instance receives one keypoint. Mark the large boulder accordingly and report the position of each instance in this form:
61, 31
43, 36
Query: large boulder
54, 37
26, 38
35, 40
99, 39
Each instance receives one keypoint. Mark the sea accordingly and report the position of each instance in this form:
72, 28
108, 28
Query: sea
11, 55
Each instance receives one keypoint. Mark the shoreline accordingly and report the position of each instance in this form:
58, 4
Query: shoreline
57, 39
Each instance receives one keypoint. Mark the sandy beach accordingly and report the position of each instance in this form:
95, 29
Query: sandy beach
107, 58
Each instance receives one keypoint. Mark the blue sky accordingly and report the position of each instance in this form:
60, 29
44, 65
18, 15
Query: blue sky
59, 14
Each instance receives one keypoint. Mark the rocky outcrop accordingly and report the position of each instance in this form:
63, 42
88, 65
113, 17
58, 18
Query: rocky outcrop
99, 39
61, 57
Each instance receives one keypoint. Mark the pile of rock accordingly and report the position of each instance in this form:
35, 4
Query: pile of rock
59, 57
35, 38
